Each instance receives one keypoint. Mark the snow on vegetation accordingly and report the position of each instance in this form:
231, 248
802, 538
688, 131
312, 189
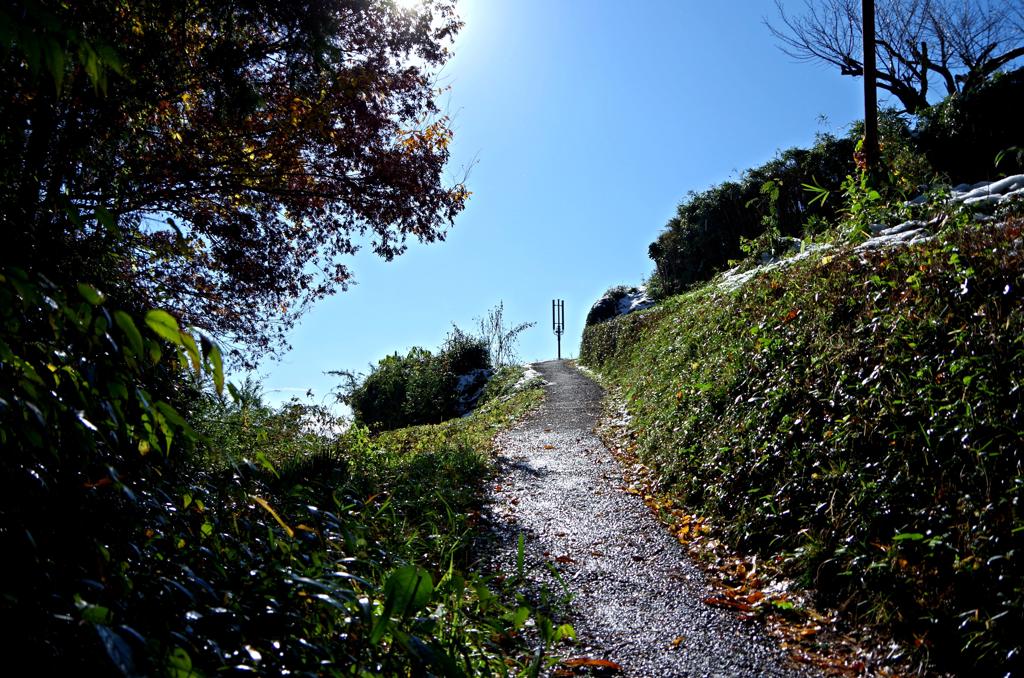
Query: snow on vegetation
619, 301
529, 375
980, 197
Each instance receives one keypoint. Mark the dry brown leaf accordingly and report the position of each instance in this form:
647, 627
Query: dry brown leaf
596, 663
719, 601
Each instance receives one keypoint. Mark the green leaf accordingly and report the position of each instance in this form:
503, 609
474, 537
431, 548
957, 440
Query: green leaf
521, 615
164, 326
407, 591
131, 332
908, 536
91, 294
154, 352
216, 363
96, 614
193, 351
265, 462
93, 614
171, 414
179, 665
410, 588
104, 217
55, 60
110, 58
565, 631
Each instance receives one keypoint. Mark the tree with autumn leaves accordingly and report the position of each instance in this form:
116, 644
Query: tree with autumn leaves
180, 178
220, 159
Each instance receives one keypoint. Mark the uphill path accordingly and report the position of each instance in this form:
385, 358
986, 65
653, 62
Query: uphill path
635, 596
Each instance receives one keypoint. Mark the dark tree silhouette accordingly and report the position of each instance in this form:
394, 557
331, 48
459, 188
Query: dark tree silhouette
220, 158
957, 44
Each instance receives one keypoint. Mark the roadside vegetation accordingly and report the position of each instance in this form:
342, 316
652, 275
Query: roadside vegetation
850, 421
248, 537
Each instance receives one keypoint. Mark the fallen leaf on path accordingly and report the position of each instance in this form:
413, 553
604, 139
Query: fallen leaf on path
596, 663
719, 601
549, 447
564, 559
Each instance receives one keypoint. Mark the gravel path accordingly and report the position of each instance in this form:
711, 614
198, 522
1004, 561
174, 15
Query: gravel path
636, 597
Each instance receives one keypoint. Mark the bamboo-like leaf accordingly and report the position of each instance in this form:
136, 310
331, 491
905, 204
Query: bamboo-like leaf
164, 326
91, 294
269, 509
192, 349
130, 331
216, 363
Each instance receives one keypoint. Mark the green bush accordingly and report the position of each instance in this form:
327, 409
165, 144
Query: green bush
90, 431
420, 387
709, 227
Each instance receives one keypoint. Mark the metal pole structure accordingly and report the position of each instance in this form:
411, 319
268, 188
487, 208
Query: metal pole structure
870, 92
558, 321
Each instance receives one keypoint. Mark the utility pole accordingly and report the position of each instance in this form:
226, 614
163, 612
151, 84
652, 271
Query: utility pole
558, 321
870, 148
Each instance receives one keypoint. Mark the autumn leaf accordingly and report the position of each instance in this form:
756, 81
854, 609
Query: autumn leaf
580, 662
722, 601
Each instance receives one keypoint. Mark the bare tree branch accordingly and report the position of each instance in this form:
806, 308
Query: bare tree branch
957, 44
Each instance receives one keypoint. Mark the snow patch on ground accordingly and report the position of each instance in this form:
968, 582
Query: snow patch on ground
529, 374
470, 387
734, 278
636, 300
982, 196
989, 192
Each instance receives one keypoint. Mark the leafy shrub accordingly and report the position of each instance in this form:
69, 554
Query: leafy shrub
618, 299
788, 198
244, 430
307, 566
463, 353
709, 227
88, 431
420, 387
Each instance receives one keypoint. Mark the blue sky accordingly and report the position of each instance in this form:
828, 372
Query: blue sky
585, 123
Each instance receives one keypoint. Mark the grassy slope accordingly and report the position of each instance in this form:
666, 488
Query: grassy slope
858, 419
